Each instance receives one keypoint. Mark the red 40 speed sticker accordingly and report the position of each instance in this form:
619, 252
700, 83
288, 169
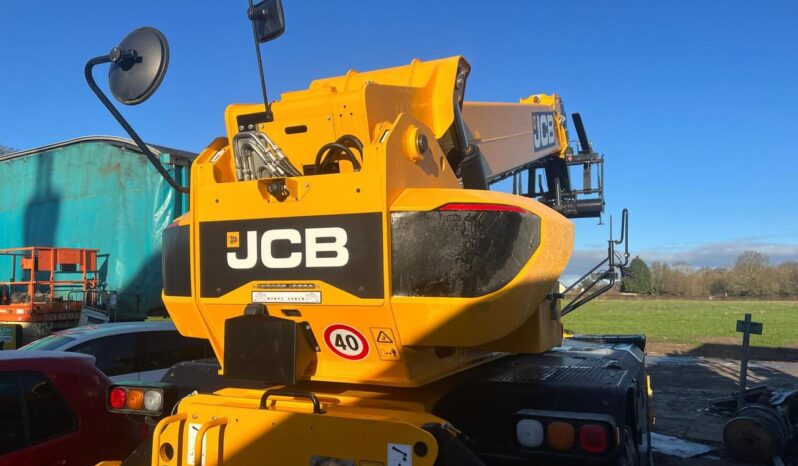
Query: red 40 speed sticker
347, 342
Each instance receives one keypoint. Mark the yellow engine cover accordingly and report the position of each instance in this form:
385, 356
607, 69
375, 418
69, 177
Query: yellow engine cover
402, 275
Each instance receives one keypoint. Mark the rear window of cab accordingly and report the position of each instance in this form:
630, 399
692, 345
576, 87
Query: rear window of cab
47, 343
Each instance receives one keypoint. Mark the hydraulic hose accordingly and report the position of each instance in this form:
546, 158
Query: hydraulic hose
337, 149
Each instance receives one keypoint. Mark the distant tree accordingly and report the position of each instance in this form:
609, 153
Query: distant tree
6, 149
658, 271
638, 278
683, 279
672, 280
750, 275
716, 282
787, 279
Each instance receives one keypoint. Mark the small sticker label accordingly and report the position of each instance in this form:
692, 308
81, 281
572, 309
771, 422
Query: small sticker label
347, 342
233, 239
387, 349
287, 297
400, 455
192, 440
217, 155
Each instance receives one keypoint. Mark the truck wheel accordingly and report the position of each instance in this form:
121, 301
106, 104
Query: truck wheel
628, 455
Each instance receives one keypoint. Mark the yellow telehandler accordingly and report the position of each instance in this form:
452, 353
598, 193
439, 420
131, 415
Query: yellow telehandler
370, 301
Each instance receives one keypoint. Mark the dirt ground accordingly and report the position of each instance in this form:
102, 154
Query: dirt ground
685, 380
723, 348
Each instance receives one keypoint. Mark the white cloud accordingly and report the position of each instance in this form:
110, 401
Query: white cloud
724, 253
719, 254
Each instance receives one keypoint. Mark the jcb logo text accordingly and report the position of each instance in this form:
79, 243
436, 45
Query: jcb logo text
543, 130
323, 247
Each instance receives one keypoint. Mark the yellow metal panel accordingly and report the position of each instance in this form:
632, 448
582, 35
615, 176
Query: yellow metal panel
436, 79
287, 433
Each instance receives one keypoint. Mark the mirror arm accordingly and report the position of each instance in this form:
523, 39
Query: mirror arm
119, 118
253, 17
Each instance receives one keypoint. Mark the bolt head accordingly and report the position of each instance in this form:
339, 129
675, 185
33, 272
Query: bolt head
422, 144
115, 54
459, 81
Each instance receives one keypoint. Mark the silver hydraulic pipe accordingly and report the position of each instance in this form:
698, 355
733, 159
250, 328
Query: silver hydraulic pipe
278, 154
248, 144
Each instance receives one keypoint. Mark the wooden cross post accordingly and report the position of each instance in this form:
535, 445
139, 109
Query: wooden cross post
746, 327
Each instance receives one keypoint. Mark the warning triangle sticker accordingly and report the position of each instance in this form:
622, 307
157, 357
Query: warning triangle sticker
383, 337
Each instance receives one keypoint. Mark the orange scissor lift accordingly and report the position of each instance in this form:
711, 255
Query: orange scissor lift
52, 289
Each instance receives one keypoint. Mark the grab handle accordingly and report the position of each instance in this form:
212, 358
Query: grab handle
292, 393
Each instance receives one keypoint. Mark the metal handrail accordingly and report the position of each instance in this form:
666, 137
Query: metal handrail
201, 437
614, 261
156, 435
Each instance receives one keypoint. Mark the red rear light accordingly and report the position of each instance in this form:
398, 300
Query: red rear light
593, 438
478, 206
117, 398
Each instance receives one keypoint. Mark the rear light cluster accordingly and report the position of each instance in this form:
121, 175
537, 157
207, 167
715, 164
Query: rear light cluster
146, 400
565, 432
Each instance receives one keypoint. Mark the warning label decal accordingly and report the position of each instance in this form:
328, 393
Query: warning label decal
387, 349
383, 337
346, 342
400, 455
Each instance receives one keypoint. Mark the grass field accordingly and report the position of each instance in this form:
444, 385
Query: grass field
690, 322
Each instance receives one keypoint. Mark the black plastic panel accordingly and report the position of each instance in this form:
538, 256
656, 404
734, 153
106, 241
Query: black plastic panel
360, 275
463, 253
263, 348
176, 262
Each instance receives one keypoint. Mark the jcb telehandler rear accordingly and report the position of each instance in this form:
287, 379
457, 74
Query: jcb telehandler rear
345, 257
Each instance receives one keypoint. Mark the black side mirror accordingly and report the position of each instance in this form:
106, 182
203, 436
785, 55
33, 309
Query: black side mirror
138, 65
267, 19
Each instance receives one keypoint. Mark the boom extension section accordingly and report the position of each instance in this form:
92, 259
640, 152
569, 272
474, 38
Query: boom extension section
528, 141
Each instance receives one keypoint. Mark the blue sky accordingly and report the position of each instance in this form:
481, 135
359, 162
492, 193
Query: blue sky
694, 104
